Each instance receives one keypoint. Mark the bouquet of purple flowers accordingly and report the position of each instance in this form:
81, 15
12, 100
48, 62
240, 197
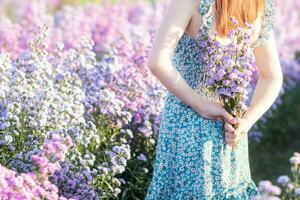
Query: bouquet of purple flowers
230, 67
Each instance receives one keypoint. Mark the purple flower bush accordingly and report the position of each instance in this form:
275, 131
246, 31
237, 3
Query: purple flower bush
34, 101
287, 35
70, 90
72, 183
36, 184
39, 99
268, 191
70, 23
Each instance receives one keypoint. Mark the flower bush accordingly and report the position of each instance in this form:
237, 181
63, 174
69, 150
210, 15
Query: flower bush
36, 184
40, 99
77, 90
289, 187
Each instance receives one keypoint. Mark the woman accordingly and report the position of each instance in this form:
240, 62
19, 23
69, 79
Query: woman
199, 155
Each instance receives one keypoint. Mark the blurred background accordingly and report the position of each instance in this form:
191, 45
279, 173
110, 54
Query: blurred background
78, 68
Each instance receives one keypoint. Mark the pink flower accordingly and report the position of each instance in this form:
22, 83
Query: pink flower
55, 137
69, 141
39, 160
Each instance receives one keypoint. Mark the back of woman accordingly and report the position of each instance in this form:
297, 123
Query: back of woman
204, 53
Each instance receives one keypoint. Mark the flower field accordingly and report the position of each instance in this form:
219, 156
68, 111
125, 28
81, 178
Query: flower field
80, 110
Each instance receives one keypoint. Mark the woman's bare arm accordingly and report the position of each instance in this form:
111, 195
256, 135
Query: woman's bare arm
171, 29
269, 81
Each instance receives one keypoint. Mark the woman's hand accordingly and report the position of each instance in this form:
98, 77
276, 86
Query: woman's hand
212, 110
233, 135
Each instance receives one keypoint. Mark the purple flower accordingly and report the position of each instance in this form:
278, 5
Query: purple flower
141, 157
227, 61
209, 50
234, 20
217, 44
249, 25
116, 149
283, 180
224, 91
233, 76
230, 34
203, 43
220, 74
226, 82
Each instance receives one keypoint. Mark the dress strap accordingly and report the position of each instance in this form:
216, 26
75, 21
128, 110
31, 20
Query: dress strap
205, 9
267, 24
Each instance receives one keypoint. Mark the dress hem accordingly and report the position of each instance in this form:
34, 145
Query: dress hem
245, 193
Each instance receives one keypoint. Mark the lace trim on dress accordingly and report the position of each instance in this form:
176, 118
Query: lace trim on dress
205, 6
267, 24
205, 9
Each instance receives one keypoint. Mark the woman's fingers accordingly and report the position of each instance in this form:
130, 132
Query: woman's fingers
206, 116
230, 135
229, 127
231, 138
228, 117
231, 142
238, 130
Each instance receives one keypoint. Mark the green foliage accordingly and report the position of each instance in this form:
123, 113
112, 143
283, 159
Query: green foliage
269, 157
138, 173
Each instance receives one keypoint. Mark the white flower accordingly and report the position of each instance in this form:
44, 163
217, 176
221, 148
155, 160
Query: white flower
272, 198
295, 160
297, 191
8, 139
267, 187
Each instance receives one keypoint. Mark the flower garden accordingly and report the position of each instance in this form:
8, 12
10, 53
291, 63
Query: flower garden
80, 110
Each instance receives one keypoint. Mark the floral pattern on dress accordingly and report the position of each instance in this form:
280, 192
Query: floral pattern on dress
192, 160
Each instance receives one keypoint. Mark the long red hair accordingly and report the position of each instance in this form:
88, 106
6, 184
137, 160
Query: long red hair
242, 10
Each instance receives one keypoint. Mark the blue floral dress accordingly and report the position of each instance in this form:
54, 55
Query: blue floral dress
192, 160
